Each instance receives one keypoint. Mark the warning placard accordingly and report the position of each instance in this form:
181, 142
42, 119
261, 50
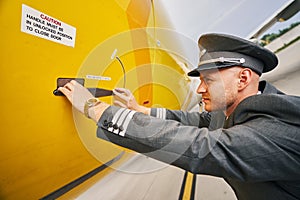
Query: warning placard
42, 25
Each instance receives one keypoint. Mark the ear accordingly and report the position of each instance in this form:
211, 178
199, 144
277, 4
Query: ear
245, 77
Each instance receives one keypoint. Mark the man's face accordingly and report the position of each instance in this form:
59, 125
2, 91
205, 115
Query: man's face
218, 88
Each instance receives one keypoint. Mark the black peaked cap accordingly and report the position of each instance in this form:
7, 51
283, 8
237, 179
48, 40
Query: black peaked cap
221, 50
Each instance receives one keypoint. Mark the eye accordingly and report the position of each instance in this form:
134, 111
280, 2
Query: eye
207, 80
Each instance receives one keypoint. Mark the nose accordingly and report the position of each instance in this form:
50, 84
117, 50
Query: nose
202, 87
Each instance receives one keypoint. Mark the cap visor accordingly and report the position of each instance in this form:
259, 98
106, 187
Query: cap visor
208, 66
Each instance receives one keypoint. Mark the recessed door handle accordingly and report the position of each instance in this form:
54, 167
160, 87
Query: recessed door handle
97, 92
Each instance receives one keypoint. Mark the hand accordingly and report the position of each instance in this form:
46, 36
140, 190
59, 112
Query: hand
76, 94
124, 98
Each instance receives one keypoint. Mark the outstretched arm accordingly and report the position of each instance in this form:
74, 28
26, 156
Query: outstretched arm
124, 98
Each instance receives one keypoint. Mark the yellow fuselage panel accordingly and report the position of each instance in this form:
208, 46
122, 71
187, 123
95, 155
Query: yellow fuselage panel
41, 150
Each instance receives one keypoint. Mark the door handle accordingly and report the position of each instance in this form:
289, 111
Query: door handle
97, 92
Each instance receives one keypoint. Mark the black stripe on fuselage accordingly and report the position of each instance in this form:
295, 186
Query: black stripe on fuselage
66, 188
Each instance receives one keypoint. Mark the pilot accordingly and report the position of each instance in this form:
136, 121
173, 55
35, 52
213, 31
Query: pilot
249, 134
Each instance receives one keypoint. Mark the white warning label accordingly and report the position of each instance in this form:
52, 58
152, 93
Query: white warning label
42, 25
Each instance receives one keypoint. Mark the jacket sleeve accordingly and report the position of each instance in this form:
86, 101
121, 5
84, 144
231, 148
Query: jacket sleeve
185, 118
242, 152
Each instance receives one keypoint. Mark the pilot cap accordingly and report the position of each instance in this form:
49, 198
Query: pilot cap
221, 50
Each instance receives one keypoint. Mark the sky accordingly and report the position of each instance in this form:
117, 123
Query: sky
242, 18
238, 17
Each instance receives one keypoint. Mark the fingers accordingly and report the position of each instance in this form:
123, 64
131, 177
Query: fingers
69, 86
121, 97
119, 93
68, 89
122, 94
120, 104
128, 92
122, 91
67, 92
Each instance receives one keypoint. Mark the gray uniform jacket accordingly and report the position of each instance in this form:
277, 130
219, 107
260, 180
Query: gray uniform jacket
256, 150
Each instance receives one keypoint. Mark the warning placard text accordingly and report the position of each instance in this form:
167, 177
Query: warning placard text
42, 25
